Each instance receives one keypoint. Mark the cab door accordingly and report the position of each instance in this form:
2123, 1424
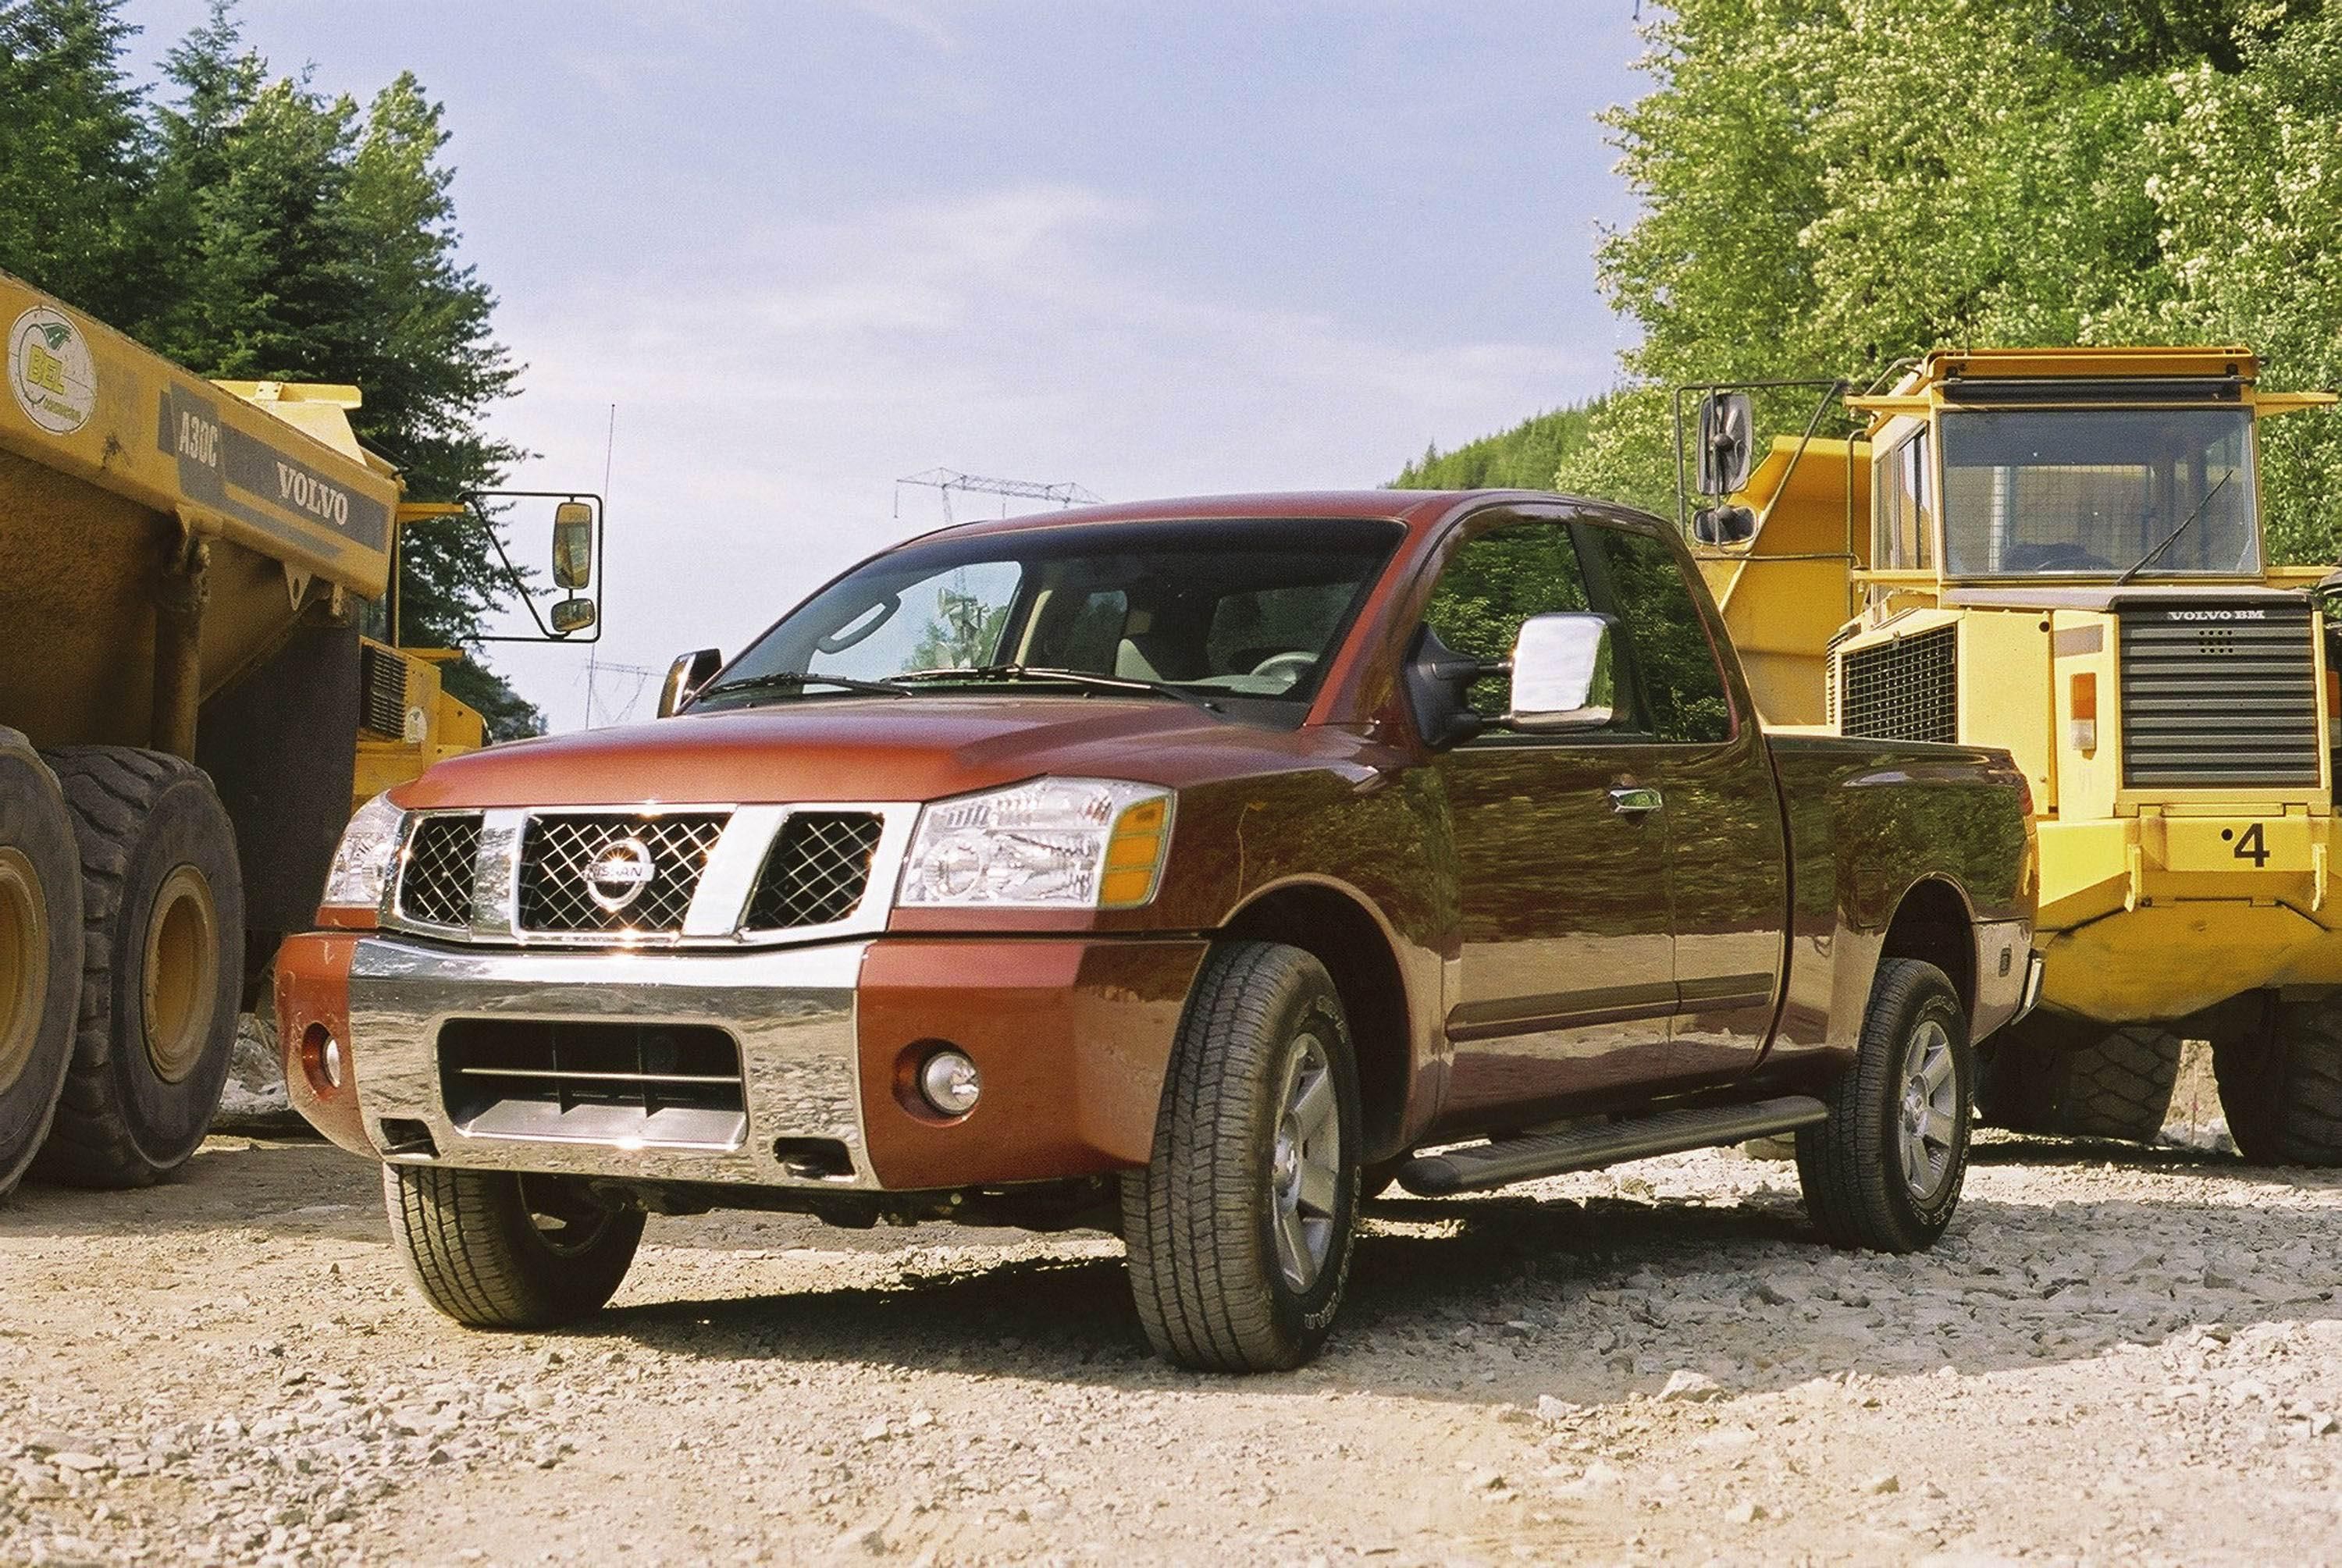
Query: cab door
1565, 986
1727, 862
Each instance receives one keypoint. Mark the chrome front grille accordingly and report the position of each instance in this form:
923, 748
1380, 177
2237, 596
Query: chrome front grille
570, 867
1904, 690
626, 876
817, 872
441, 864
2219, 696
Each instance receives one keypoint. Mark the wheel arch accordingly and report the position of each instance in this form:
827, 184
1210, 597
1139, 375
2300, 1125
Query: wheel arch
1343, 930
1933, 923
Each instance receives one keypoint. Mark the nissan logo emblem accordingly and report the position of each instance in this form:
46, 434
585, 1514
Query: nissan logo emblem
618, 875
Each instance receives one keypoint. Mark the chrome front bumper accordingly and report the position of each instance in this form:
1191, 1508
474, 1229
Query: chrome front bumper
790, 1012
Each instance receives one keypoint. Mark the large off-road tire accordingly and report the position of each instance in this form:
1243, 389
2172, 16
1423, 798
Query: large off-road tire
40, 951
1240, 1228
2080, 1080
161, 966
1884, 1172
2281, 1084
495, 1249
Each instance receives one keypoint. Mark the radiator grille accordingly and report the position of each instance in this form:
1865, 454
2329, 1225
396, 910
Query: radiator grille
382, 693
817, 872
2219, 696
441, 858
1906, 690
592, 1081
566, 862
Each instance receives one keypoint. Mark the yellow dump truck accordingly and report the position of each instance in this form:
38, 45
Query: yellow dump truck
2059, 552
188, 711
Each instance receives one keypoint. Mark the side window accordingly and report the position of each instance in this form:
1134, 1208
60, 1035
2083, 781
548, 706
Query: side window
1903, 498
1675, 662
1494, 583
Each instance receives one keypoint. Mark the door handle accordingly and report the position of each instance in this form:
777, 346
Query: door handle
1635, 799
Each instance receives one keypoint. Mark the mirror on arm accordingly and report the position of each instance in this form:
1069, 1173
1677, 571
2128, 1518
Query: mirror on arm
685, 676
1727, 447
1563, 673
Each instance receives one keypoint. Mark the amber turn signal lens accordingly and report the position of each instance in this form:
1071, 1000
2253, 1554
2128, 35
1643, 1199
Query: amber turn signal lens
1134, 854
2082, 700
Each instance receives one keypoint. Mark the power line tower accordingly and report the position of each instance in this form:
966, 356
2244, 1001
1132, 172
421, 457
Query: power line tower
943, 481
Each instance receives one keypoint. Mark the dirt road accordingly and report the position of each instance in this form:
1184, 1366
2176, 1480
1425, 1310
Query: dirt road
2136, 1361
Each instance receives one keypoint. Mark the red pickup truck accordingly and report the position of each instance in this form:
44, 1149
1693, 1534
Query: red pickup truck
1191, 870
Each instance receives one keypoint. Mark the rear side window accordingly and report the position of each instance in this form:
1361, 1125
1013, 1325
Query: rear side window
1675, 662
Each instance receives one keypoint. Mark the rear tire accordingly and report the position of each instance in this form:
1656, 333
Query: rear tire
494, 1249
1884, 1172
1241, 1226
161, 966
2281, 1085
2076, 1079
40, 951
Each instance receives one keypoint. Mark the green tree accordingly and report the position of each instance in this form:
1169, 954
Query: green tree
75, 154
1831, 185
1522, 458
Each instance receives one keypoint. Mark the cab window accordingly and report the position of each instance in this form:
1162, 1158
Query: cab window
1639, 580
1903, 506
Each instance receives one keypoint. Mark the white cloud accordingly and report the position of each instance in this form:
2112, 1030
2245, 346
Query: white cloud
771, 386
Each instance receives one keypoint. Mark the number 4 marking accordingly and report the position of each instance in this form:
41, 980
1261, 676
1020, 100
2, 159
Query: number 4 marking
2251, 847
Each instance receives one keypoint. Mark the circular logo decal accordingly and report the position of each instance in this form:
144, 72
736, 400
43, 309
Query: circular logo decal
617, 877
50, 371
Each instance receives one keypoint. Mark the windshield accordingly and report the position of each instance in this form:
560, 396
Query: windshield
1242, 611
2093, 492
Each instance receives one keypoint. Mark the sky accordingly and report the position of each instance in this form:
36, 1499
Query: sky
809, 247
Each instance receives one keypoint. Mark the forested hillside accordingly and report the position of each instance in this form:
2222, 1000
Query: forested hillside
1832, 184
1525, 457
251, 227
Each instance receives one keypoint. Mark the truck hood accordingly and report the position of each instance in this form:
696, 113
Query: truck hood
854, 749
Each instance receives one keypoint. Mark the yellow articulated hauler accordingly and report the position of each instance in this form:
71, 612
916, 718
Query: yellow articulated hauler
2059, 552
188, 712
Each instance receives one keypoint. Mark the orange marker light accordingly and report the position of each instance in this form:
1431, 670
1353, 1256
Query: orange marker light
1134, 854
2082, 712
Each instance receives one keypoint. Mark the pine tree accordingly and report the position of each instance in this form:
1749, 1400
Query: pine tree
75, 155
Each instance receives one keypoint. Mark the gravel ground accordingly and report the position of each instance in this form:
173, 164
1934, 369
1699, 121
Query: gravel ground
2116, 1355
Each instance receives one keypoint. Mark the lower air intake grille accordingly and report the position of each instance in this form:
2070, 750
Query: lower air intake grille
382, 693
613, 872
435, 886
817, 872
2219, 696
593, 1081
1906, 690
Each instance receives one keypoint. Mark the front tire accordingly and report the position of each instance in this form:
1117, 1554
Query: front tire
161, 966
494, 1249
1884, 1172
2281, 1085
40, 953
1240, 1228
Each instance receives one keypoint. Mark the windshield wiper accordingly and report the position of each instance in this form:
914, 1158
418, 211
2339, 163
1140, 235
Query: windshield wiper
2144, 561
1069, 677
800, 679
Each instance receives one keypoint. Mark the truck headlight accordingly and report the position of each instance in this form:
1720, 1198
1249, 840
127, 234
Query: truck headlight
362, 861
1053, 844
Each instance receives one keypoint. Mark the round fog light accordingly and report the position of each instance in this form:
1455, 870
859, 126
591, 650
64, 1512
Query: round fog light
321, 1059
950, 1082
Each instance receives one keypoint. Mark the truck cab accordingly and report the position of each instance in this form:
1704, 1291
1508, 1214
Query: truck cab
2061, 552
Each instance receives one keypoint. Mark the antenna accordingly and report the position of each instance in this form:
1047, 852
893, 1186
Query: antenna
943, 481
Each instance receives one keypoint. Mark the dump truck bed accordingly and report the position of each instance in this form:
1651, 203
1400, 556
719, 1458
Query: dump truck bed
110, 455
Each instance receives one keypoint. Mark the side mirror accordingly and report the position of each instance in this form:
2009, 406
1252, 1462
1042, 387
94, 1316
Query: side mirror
1563, 676
1725, 445
684, 677
570, 616
573, 547
1724, 525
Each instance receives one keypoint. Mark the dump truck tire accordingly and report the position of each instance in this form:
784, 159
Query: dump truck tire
1240, 1228
2281, 1085
40, 951
1884, 1172
161, 966
2078, 1080
495, 1249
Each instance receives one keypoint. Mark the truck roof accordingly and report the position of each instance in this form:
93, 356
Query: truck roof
1415, 508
